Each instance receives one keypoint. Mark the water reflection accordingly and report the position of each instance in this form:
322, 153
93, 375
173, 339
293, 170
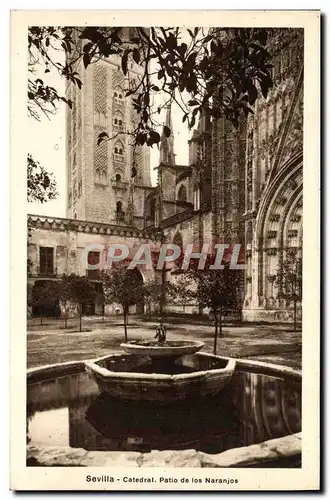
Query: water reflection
251, 409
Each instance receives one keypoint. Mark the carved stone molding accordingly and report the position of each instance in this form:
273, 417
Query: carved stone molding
59, 224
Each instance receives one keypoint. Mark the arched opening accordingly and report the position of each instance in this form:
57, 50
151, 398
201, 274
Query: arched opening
118, 119
118, 178
182, 193
150, 208
135, 278
119, 211
197, 198
177, 240
119, 150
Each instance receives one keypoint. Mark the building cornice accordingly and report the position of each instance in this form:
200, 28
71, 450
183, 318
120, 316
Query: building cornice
62, 224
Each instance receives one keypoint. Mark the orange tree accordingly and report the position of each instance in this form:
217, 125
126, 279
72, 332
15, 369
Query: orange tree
217, 289
122, 286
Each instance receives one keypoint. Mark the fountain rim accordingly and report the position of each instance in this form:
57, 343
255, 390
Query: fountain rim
164, 351
106, 373
246, 365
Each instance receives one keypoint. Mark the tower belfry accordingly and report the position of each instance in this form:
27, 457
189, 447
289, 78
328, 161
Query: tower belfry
100, 173
167, 156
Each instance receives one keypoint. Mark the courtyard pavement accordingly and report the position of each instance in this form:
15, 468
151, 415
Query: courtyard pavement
51, 343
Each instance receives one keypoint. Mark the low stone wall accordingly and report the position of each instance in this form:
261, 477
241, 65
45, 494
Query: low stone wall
285, 449
270, 315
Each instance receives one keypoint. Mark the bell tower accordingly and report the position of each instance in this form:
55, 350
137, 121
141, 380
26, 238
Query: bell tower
100, 173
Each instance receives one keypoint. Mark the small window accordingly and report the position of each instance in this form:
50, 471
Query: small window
118, 178
119, 207
46, 258
93, 258
116, 121
120, 96
120, 122
120, 151
116, 150
115, 94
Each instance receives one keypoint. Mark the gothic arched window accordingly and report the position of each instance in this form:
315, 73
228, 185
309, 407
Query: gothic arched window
177, 240
182, 193
119, 151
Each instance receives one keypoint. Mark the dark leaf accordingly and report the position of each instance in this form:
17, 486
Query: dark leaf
155, 137
79, 83
167, 131
87, 47
253, 93
136, 56
86, 59
124, 61
103, 136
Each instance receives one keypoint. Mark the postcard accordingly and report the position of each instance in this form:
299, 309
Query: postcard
165, 242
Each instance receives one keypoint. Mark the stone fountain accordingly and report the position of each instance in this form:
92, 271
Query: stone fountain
161, 370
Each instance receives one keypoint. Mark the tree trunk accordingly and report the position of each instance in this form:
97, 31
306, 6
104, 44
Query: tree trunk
65, 321
80, 317
294, 314
162, 296
215, 335
125, 324
220, 332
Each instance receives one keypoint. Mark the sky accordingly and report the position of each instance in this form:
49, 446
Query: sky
47, 140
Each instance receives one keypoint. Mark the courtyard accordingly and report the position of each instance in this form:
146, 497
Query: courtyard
50, 343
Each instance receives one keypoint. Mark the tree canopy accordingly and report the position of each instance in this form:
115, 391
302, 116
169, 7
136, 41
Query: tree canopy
216, 71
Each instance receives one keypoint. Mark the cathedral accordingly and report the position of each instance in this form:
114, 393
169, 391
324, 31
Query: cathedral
241, 185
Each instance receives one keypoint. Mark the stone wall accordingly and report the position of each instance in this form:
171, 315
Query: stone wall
71, 238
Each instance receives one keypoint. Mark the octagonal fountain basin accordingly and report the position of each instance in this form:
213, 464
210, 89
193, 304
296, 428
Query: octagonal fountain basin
166, 349
160, 378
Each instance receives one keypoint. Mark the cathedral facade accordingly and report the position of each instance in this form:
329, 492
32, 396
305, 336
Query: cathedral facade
241, 185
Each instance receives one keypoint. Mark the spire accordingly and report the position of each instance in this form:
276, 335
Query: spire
167, 155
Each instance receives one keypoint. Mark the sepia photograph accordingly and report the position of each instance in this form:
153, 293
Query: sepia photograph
165, 265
